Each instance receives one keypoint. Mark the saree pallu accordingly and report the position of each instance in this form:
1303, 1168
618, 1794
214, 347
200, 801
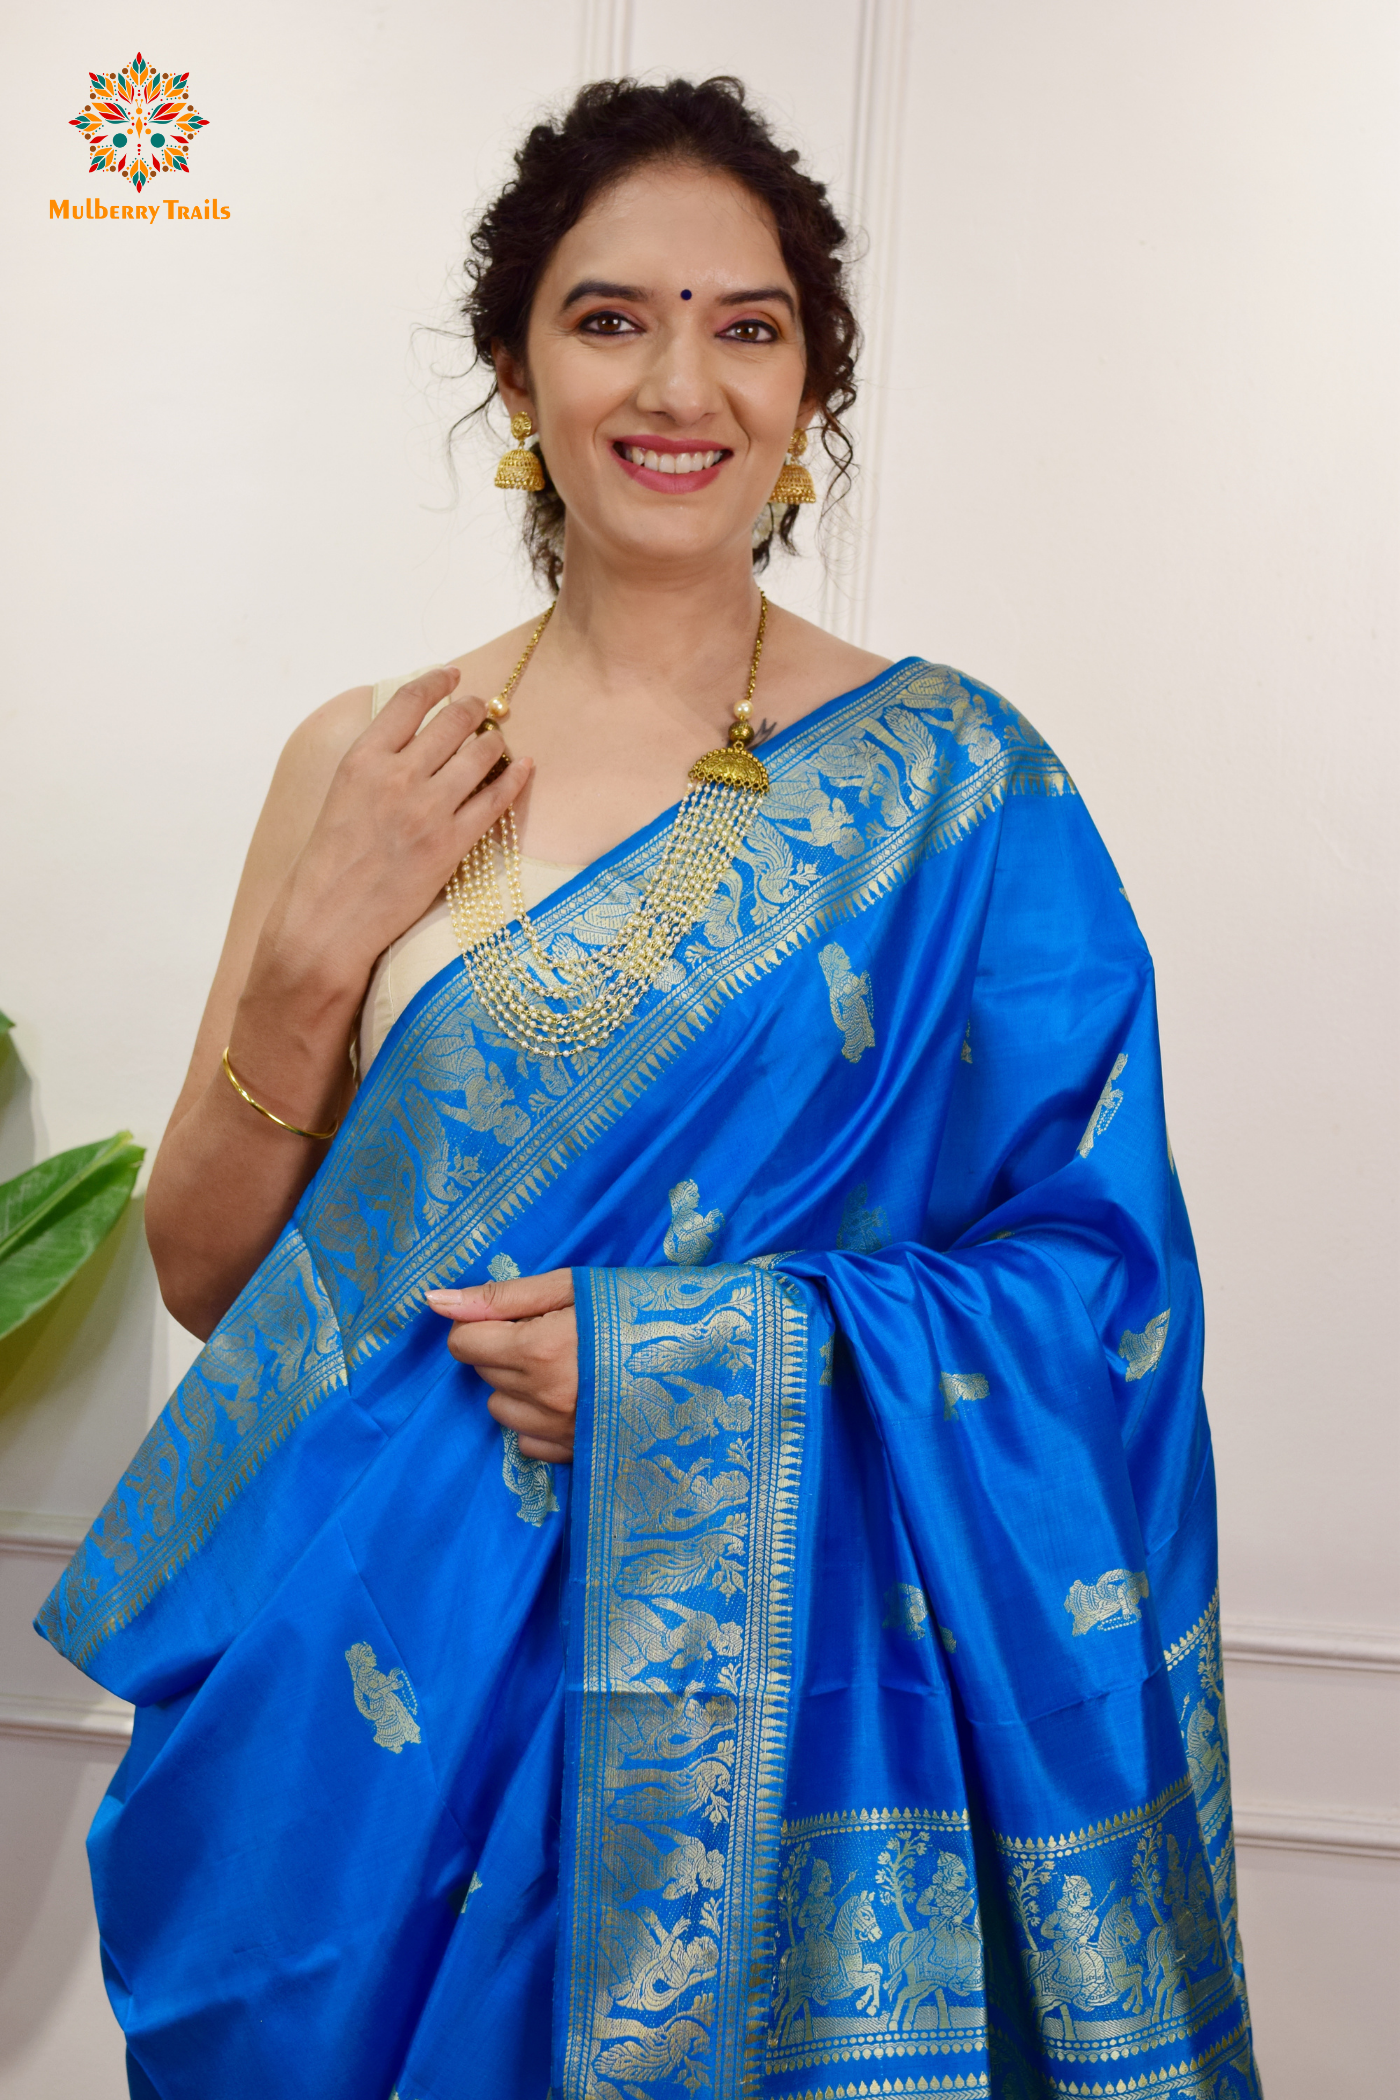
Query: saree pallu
848, 1718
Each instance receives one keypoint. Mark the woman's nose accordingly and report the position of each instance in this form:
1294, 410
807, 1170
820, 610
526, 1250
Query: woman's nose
680, 381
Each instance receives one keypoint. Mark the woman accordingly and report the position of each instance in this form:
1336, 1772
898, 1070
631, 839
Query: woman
792, 1691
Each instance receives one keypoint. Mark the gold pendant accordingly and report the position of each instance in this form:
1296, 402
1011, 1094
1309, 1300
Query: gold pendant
731, 766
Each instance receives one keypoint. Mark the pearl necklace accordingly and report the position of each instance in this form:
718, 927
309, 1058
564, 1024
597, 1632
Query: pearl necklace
550, 1009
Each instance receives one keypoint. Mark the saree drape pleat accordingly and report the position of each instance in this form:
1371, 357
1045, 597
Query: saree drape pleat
848, 1718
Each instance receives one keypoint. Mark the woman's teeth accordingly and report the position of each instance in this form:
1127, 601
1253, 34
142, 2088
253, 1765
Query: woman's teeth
672, 462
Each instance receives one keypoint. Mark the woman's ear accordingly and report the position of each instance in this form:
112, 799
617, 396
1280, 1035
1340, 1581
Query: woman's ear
510, 380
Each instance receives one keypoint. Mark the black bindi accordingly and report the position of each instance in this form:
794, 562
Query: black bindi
685, 295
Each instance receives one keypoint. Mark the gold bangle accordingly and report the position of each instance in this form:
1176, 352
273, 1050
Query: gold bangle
322, 1137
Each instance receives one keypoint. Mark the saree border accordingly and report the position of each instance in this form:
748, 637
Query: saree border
1177, 2081
235, 1405
726, 2024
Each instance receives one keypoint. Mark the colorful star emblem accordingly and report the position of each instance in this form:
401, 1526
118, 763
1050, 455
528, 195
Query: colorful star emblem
138, 122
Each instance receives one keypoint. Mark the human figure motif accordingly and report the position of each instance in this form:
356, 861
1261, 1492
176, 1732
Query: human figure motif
818, 1905
384, 1697
944, 1955
1076, 1968
1205, 1754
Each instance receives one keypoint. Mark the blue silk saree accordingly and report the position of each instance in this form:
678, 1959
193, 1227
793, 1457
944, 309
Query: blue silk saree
847, 1719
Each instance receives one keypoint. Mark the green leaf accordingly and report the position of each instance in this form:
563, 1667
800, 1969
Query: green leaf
6, 1024
53, 1216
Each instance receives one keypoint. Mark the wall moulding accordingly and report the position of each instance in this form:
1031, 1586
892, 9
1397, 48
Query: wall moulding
1277, 1641
101, 1727
879, 104
36, 1533
606, 39
1285, 1827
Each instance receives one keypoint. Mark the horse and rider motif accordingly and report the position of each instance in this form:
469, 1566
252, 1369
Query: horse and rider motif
832, 1962
1088, 1966
827, 1964
896, 1947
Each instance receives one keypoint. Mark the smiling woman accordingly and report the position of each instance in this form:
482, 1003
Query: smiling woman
687, 1562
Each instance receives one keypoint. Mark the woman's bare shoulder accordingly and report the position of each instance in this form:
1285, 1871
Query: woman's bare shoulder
320, 741
304, 773
808, 666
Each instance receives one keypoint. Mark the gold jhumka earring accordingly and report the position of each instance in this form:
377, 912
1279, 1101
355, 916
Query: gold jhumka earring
794, 484
551, 1007
520, 468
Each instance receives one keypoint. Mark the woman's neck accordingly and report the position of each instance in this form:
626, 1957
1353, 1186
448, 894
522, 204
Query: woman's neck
681, 637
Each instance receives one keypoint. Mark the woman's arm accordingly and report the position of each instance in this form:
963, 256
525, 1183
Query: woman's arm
361, 828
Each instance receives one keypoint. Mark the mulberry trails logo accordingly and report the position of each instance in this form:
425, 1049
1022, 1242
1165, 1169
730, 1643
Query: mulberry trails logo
137, 124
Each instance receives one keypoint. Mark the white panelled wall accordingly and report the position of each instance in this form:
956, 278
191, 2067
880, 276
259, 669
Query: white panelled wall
1129, 454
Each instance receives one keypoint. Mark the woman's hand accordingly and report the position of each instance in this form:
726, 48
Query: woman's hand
521, 1335
405, 805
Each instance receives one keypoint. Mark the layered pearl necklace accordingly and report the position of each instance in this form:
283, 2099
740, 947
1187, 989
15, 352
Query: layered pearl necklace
550, 1009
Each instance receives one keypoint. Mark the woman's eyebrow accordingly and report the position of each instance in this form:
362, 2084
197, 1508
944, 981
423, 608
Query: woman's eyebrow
599, 288
772, 291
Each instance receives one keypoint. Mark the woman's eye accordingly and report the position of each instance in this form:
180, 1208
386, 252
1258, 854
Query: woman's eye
751, 332
606, 324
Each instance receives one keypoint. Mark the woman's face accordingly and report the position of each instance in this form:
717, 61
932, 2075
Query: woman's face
665, 367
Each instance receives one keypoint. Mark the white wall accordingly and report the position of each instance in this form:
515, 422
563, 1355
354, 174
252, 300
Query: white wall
1132, 306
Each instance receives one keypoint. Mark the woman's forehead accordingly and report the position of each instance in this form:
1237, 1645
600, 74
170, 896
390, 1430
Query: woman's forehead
663, 218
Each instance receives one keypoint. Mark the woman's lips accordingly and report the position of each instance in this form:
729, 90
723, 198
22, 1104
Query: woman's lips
677, 476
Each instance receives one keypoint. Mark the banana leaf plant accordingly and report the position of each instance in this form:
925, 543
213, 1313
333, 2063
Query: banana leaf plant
54, 1215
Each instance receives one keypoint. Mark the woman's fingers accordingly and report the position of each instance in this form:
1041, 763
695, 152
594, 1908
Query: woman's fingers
507, 1297
534, 1359
520, 1335
398, 720
454, 730
463, 770
486, 805
549, 1437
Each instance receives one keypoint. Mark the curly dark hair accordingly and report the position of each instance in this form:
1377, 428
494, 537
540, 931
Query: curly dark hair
610, 128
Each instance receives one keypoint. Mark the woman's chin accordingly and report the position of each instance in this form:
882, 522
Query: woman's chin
672, 531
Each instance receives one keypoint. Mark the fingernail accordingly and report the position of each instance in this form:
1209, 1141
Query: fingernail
444, 1301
